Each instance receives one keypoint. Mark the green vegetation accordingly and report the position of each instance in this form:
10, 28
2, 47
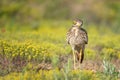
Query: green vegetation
33, 39
30, 12
23, 50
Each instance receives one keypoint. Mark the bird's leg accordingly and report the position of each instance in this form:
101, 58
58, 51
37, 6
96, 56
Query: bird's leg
80, 57
74, 59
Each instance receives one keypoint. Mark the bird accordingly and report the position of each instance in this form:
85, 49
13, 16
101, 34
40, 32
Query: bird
77, 38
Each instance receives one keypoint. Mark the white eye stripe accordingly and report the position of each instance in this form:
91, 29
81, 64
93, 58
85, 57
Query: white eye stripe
78, 24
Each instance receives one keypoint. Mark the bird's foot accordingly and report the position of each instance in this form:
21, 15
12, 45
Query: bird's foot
74, 68
79, 66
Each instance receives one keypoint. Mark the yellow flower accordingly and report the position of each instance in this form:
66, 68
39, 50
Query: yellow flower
21, 53
29, 57
13, 55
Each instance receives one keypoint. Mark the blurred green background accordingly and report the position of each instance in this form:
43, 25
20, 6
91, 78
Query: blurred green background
33, 38
33, 12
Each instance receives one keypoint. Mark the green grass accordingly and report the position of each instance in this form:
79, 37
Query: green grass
22, 49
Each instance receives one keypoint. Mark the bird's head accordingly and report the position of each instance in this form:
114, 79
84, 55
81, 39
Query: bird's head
78, 22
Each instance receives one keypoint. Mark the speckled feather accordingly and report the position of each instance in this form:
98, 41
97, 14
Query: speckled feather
77, 37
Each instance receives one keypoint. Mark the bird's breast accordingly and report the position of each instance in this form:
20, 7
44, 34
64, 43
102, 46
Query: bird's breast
75, 31
76, 37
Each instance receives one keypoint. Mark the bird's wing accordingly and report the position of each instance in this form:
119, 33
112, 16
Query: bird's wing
69, 35
84, 35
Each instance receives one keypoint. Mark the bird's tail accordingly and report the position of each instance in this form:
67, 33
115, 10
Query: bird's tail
80, 56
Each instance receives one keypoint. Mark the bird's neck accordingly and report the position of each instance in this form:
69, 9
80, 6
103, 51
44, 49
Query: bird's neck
76, 26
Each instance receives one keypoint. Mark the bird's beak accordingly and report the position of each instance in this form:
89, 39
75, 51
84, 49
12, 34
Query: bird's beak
74, 22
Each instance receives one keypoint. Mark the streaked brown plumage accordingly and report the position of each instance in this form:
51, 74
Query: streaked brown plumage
77, 37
